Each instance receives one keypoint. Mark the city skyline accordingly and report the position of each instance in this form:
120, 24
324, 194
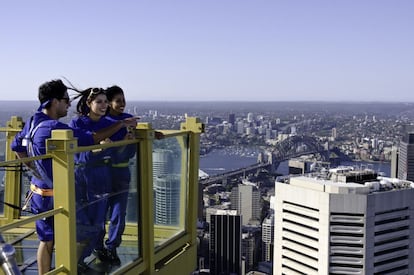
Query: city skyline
213, 50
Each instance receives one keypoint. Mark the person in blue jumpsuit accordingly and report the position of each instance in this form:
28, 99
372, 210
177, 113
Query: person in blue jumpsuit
120, 178
92, 173
54, 104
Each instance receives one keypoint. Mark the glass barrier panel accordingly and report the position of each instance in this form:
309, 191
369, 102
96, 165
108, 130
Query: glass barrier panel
25, 195
2, 169
106, 194
170, 185
106, 202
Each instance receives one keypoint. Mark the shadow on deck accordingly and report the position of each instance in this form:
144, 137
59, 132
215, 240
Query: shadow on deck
26, 248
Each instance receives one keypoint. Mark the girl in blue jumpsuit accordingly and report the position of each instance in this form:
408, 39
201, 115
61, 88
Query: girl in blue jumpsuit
121, 176
92, 173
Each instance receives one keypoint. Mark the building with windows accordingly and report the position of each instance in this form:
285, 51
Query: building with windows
327, 227
268, 238
246, 200
406, 158
225, 244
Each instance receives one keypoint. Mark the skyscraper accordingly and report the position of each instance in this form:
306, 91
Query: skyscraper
166, 188
250, 117
232, 118
326, 227
246, 200
268, 238
162, 162
225, 244
394, 162
167, 200
406, 158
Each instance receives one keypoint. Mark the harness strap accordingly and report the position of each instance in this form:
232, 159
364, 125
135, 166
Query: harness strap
120, 165
40, 191
102, 162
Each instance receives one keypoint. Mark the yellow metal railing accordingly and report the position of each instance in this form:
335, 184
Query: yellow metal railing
162, 248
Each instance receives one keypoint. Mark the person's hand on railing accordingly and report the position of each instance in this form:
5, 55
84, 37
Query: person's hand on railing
158, 135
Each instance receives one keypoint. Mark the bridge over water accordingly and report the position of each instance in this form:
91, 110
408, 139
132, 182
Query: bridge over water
288, 148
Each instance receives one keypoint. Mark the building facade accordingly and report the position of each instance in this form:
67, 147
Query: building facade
225, 244
326, 227
246, 200
406, 158
268, 227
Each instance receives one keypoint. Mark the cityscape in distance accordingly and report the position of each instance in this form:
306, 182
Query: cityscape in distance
360, 134
362, 130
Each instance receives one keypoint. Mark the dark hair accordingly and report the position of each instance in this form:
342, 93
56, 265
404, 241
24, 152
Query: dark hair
85, 97
113, 91
51, 89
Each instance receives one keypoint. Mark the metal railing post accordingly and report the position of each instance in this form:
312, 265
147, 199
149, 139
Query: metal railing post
195, 127
146, 206
62, 146
12, 179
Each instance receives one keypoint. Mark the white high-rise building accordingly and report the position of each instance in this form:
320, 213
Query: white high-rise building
268, 238
162, 163
167, 200
166, 188
326, 227
250, 117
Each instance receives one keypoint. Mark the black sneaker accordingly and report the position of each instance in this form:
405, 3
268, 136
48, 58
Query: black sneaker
101, 254
113, 257
83, 268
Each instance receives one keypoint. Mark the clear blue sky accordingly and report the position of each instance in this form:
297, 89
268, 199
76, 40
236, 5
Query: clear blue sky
341, 50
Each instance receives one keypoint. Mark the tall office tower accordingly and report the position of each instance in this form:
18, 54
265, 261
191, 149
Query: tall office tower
232, 118
374, 143
293, 130
334, 133
250, 117
246, 200
162, 163
268, 134
326, 227
225, 244
217, 211
166, 188
240, 127
406, 158
249, 131
394, 162
167, 200
249, 250
268, 226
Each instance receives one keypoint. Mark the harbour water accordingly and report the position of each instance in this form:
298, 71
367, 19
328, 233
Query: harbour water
221, 161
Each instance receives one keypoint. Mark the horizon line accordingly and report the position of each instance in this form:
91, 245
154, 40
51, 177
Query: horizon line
244, 101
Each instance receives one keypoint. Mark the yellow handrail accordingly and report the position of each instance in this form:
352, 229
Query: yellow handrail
30, 219
61, 148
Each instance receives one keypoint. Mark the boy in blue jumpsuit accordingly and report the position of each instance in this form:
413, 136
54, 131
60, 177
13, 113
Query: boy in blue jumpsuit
55, 101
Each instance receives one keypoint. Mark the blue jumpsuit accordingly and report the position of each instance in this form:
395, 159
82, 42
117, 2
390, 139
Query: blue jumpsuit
121, 176
93, 186
40, 126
